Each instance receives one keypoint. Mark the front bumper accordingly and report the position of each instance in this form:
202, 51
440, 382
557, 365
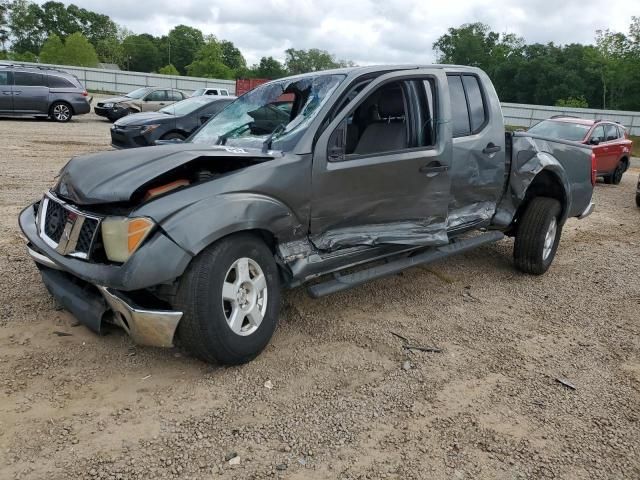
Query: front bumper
94, 306
129, 138
587, 211
158, 261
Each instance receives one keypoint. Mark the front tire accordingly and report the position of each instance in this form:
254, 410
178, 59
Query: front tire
173, 136
60, 112
538, 236
230, 296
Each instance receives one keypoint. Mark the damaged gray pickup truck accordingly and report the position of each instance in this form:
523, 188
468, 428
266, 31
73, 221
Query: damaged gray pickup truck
328, 179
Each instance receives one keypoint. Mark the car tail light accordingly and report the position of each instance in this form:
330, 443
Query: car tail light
85, 94
594, 170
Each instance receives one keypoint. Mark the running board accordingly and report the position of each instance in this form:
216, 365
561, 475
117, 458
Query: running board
344, 282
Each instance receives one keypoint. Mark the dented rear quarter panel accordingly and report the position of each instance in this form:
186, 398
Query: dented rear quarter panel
569, 162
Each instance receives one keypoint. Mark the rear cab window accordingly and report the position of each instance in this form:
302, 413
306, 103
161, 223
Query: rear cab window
468, 105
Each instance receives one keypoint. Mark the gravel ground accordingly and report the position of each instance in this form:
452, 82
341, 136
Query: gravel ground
335, 395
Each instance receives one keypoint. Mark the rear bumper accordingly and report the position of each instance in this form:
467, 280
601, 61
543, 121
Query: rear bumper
93, 306
587, 211
80, 108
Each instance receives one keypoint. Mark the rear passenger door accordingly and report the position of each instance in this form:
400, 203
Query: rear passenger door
380, 167
478, 162
154, 101
613, 146
6, 92
30, 93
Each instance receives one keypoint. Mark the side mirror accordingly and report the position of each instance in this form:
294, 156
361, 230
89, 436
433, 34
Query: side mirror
336, 147
205, 118
594, 141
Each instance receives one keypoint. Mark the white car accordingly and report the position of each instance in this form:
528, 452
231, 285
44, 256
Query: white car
221, 92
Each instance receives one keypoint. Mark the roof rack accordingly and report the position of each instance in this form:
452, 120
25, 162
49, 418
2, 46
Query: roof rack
24, 65
564, 116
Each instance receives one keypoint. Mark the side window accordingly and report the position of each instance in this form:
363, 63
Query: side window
621, 131
598, 134
428, 115
611, 132
212, 92
4, 78
459, 110
214, 108
157, 96
378, 124
28, 79
174, 96
475, 101
59, 82
224, 93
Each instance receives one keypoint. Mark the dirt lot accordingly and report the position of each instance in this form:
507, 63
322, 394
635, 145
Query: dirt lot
347, 401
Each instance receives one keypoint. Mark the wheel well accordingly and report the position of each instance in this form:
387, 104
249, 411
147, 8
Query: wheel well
545, 184
184, 134
625, 160
62, 101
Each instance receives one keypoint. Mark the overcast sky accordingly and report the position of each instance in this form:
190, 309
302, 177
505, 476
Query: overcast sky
366, 31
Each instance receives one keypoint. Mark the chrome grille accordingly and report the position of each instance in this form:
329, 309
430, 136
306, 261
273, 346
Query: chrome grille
65, 228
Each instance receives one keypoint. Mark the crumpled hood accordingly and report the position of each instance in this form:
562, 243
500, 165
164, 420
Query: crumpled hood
114, 176
116, 100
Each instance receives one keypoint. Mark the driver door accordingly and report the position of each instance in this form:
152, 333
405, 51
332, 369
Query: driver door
381, 167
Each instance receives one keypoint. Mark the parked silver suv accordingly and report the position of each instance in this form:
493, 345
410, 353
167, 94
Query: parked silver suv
41, 91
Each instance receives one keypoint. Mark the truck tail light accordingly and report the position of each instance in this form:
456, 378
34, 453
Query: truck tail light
594, 170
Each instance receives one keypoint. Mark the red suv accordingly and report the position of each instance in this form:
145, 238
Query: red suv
609, 140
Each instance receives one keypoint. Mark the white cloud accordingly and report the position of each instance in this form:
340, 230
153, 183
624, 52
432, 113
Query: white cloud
367, 31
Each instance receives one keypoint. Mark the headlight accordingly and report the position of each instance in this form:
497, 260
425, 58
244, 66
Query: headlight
148, 129
107, 105
122, 236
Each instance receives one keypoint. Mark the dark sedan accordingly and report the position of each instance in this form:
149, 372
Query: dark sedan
176, 121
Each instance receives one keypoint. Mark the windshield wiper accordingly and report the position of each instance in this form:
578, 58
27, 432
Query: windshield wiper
222, 139
266, 145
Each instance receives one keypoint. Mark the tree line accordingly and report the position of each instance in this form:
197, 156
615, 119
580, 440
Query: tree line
69, 35
603, 75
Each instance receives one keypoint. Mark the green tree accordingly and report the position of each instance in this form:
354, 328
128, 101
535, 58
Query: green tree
209, 62
25, 27
53, 50
231, 56
168, 70
4, 25
573, 102
268, 67
312, 60
140, 53
185, 41
78, 51
110, 50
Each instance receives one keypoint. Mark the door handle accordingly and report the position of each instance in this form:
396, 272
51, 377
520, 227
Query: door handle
7, 93
161, 104
491, 148
17, 93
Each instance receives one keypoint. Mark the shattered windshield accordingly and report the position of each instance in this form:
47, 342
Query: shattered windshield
273, 112
139, 93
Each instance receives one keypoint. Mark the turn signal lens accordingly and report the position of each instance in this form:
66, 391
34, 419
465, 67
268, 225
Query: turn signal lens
122, 236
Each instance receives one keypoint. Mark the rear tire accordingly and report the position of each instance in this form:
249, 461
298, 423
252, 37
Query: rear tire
538, 236
616, 176
230, 296
60, 112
